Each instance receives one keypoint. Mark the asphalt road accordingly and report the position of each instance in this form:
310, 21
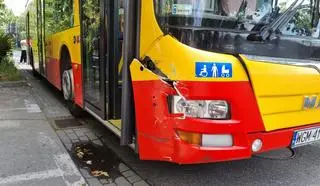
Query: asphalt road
304, 169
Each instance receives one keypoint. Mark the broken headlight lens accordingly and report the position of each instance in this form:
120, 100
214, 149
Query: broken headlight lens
208, 109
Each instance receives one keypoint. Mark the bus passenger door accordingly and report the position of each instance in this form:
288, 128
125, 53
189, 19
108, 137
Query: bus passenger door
94, 55
116, 59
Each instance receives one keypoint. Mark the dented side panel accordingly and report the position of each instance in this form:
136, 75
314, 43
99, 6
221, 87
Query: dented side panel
156, 127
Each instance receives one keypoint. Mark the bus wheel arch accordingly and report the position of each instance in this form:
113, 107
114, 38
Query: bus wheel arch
67, 82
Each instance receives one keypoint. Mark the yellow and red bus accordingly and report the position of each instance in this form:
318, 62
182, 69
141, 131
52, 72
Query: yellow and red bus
186, 81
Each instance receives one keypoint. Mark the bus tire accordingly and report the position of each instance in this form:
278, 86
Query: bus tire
67, 86
74, 109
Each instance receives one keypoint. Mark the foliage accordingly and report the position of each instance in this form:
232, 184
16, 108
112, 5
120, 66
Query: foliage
21, 22
6, 15
5, 45
91, 21
58, 15
8, 72
303, 19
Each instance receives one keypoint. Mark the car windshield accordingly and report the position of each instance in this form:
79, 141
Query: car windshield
238, 15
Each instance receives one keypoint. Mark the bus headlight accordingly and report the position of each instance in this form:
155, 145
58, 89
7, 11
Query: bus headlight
208, 109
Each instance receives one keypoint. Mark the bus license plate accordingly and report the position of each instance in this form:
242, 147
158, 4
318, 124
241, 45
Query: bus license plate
304, 137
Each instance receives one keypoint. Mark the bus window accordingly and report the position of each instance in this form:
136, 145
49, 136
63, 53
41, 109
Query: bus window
120, 38
58, 15
91, 22
302, 23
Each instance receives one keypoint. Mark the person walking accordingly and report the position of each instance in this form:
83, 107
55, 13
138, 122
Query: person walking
23, 57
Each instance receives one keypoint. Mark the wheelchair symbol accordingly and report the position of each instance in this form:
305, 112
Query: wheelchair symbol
204, 72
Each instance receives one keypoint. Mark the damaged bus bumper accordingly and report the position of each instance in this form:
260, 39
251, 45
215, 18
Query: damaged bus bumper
164, 136
185, 153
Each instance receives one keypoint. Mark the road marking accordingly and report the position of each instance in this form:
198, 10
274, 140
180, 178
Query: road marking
9, 124
14, 109
31, 107
47, 142
42, 175
66, 169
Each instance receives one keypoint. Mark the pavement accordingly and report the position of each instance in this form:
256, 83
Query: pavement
42, 144
31, 152
32, 146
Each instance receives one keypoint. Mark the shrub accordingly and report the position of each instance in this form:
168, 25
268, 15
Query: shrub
5, 45
8, 72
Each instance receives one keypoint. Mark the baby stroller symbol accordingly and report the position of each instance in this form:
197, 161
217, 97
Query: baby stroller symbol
225, 72
204, 72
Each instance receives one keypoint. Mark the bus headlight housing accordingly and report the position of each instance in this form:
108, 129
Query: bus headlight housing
207, 109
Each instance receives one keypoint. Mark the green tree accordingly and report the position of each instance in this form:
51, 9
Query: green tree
6, 15
21, 22
59, 15
2, 12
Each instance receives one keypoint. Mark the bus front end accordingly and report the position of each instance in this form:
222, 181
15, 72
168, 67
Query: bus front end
224, 80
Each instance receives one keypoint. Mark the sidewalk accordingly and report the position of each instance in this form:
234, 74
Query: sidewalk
38, 133
30, 151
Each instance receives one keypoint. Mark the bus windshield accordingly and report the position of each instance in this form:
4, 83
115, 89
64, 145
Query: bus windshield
235, 15
234, 26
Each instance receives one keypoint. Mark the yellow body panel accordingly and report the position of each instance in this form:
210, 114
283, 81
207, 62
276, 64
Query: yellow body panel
280, 90
150, 30
138, 73
76, 13
64, 38
35, 52
68, 38
178, 61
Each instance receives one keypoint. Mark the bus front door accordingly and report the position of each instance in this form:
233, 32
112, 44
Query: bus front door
94, 56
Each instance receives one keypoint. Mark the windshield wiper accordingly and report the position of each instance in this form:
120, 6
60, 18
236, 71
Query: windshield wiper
267, 31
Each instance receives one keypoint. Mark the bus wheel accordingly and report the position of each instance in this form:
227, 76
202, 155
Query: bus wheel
68, 93
67, 86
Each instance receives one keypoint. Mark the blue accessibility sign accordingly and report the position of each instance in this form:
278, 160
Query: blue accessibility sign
213, 70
